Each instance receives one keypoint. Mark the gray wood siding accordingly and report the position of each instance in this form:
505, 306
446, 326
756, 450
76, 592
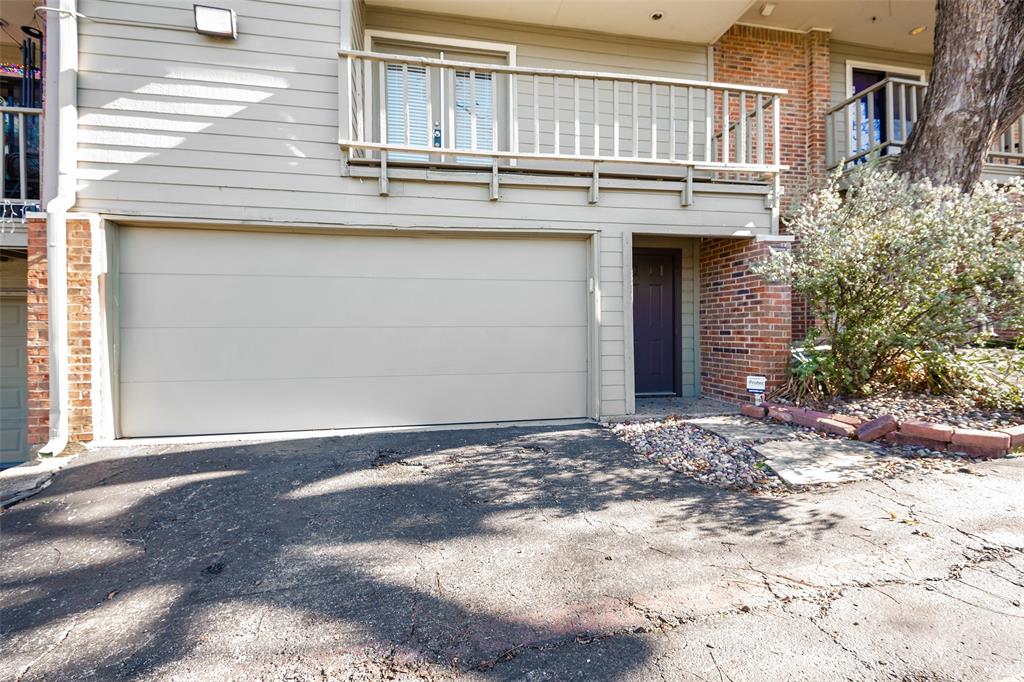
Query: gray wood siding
178, 124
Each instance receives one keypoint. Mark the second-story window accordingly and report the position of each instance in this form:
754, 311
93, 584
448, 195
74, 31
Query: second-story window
408, 118
433, 107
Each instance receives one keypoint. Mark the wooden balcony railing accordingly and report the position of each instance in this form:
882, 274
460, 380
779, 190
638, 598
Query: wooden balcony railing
19, 142
1008, 149
426, 110
877, 121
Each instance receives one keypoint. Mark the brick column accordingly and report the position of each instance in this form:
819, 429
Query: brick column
819, 96
80, 306
799, 62
745, 322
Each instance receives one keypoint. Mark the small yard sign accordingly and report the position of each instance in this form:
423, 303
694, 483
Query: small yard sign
755, 385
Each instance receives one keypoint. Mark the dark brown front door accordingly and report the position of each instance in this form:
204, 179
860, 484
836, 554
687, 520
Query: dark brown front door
654, 326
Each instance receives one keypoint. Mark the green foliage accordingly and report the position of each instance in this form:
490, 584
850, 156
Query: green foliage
990, 377
893, 269
809, 380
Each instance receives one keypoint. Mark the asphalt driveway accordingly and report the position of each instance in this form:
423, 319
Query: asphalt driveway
526, 553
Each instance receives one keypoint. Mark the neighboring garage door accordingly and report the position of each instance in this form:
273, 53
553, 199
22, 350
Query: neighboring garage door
231, 331
13, 382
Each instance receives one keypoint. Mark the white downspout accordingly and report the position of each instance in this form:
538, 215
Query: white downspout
60, 151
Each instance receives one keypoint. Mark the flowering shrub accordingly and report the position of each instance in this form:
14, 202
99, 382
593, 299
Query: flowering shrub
894, 268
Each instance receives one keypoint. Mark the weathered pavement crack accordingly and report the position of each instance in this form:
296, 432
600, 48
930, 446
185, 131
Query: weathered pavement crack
822, 596
48, 651
655, 622
919, 515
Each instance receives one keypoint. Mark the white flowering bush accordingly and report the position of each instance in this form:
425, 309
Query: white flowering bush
893, 268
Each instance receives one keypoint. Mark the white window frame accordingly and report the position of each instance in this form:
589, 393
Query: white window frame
438, 42
852, 64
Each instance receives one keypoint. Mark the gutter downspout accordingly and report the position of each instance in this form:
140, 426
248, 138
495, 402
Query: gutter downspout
60, 120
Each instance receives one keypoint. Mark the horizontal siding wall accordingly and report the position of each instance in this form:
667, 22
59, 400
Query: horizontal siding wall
612, 332
174, 123
178, 124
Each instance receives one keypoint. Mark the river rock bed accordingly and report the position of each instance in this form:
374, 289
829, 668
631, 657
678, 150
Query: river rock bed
700, 454
713, 460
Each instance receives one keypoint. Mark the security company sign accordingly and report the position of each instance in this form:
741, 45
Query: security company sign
756, 384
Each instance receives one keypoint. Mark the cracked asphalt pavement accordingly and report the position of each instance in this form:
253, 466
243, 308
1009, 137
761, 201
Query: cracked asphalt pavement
518, 554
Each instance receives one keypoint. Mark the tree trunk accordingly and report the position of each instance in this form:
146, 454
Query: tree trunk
976, 90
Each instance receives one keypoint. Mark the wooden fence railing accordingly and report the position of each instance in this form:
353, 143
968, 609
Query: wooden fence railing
877, 121
415, 109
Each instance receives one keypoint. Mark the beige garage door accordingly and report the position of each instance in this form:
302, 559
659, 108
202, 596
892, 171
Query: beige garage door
229, 332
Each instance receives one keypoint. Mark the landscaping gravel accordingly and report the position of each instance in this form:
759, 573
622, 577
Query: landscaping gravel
713, 460
699, 454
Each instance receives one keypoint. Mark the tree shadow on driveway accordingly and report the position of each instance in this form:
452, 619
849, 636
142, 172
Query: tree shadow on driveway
421, 551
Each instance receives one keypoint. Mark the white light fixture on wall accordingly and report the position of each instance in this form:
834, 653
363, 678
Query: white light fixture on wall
215, 21
767, 9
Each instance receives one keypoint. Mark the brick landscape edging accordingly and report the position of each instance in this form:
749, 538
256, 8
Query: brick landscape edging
939, 437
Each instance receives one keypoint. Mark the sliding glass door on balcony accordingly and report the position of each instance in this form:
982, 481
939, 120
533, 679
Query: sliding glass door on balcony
457, 109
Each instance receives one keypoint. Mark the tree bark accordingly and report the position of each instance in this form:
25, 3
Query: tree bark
976, 90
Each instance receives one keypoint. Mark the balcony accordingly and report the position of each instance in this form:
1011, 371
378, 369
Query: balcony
20, 181
464, 116
875, 123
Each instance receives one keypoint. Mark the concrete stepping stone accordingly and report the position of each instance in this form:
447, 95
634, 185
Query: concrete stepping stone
811, 462
741, 429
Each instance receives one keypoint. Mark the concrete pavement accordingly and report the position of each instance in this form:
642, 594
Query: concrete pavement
525, 553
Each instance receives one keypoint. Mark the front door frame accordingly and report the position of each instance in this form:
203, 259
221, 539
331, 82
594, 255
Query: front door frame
887, 69
677, 318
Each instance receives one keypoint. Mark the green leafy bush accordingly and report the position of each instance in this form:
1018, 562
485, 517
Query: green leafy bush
992, 378
894, 268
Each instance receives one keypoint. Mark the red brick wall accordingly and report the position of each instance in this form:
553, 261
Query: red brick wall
801, 318
745, 325
79, 333
799, 62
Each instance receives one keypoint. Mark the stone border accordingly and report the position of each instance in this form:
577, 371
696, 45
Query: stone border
938, 437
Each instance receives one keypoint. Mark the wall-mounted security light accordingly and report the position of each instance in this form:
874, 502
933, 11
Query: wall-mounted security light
767, 9
215, 21
918, 30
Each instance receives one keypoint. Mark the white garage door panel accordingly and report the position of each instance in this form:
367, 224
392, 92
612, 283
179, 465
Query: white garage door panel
251, 406
160, 354
274, 253
231, 331
251, 301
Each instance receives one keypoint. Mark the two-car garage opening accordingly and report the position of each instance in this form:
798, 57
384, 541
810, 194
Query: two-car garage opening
230, 331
